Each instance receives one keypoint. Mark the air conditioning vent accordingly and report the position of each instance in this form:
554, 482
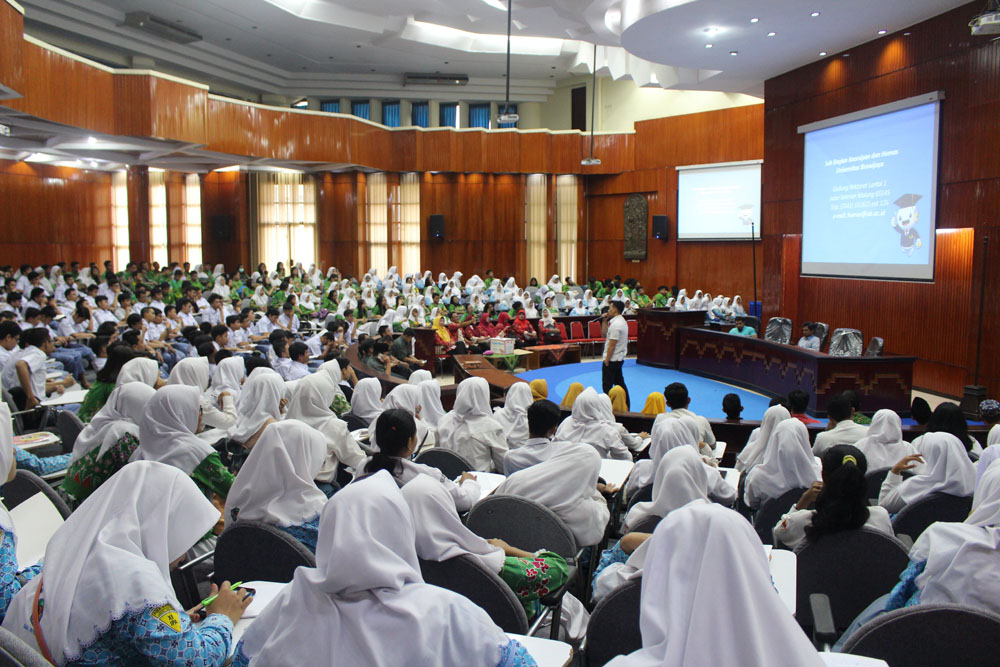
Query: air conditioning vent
162, 28
417, 79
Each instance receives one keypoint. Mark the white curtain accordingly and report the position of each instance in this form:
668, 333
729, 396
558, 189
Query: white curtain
192, 219
566, 220
377, 221
119, 219
286, 215
409, 223
535, 226
158, 217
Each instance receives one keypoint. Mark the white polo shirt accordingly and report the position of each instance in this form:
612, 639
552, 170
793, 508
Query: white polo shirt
618, 330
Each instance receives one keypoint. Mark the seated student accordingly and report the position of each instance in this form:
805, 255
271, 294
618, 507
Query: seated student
513, 416
798, 403
298, 352
949, 418
380, 361
219, 400
588, 424
809, 339
656, 404
633, 441
239, 339
261, 402
619, 399
104, 446
275, 484
262, 329
9, 335
566, 483
25, 370
946, 469
788, 464
470, 429
396, 432
118, 355
441, 536
667, 435
732, 407
680, 600
678, 400
842, 429
539, 389
430, 396
543, 418
107, 594
741, 328
366, 401
402, 349
377, 610
884, 444
407, 397
840, 501
288, 320
569, 399
753, 452
856, 414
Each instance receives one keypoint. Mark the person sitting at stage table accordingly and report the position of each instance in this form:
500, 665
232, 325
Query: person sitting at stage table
741, 328
809, 339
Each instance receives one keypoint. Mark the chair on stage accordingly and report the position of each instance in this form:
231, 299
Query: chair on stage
822, 332
846, 343
875, 347
778, 330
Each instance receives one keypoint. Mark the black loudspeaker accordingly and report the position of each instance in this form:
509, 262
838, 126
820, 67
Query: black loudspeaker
437, 226
660, 227
222, 227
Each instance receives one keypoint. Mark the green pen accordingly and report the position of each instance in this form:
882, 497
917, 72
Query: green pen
211, 598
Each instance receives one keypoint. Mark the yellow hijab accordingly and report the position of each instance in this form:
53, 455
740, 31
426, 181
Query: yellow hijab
655, 404
570, 398
539, 389
618, 402
441, 330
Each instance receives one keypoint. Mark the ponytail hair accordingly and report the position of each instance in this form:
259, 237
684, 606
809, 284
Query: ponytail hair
843, 503
393, 430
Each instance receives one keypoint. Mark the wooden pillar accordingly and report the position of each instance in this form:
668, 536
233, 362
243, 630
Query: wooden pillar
139, 247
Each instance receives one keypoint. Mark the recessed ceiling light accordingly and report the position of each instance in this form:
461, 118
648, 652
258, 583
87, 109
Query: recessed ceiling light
847, 55
771, 34
734, 53
882, 32
708, 46
822, 53
253, 27
814, 14
906, 34
712, 30
754, 20
91, 140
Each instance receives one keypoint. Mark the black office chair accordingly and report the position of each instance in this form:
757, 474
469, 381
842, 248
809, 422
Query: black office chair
822, 331
778, 330
852, 568
753, 322
257, 551
613, 628
643, 495
353, 421
874, 479
26, 485
466, 576
69, 427
16, 653
647, 525
875, 347
914, 519
846, 343
771, 510
445, 460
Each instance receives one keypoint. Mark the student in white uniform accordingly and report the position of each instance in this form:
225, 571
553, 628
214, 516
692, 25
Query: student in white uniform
946, 469
756, 445
788, 464
588, 424
311, 405
843, 430
513, 416
543, 417
678, 400
884, 446
470, 429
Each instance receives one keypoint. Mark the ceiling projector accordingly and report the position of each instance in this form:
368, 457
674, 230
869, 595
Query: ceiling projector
986, 24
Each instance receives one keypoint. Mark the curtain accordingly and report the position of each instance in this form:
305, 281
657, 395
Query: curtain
361, 109
449, 115
535, 224
479, 115
390, 114
566, 224
286, 218
192, 219
377, 221
158, 217
119, 219
420, 114
330, 106
512, 109
409, 223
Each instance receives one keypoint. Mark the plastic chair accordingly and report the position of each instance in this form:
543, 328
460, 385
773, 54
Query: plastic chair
875, 347
594, 331
914, 519
633, 329
257, 551
930, 634
771, 510
26, 485
778, 330
466, 576
613, 628
874, 478
852, 568
647, 525
16, 653
69, 426
576, 330
846, 343
445, 460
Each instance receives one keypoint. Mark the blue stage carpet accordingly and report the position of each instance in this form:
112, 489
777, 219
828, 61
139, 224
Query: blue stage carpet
706, 395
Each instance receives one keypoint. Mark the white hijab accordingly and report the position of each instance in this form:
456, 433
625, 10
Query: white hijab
946, 469
667, 435
229, 376
884, 445
513, 416
259, 401
365, 602
119, 416
112, 556
275, 484
992, 451
753, 453
788, 463
404, 397
681, 477
471, 414
166, 430
311, 401
440, 533
430, 397
705, 567
587, 422
416, 377
366, 401
140, 369
6, 462
566, 483
191, 371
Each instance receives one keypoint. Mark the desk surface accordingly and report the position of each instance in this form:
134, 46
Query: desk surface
615, 471
784, 567
66, 398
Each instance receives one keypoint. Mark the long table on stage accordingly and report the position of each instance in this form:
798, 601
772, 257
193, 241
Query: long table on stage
772, 368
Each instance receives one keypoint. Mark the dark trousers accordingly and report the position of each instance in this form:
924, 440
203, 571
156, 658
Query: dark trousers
611, 375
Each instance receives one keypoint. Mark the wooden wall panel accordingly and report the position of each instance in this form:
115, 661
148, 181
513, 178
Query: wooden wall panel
11, 60
178, 111
49, 214
701, 138
338, 224
224, 219
140, 248
174, 181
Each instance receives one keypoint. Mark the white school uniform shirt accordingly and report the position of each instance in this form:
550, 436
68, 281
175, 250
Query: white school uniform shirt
102, 316
946, 469
154, 331
844, 433
187, 320
296, 370
704, 428
791, 528
284, 320
263, 326
5, 356
67, 327
315, 345
534, 450
618, 330
202, 304
158, 304
809, 343
237, 336
35, 359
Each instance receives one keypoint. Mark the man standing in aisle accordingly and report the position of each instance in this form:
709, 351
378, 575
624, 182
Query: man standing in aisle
615, 349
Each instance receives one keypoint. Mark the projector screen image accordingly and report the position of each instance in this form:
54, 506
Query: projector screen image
718, 202
869, 191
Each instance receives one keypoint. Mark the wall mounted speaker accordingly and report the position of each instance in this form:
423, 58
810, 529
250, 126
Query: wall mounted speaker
436, 225
222, 227
661, 227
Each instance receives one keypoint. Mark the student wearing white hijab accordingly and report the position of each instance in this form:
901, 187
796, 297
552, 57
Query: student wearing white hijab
704, 567
753, 453
195, 372
261, 403
167, 434
884, 444
365, 602
946, 469
220, 399
430, 397
566, 483
992, 451
633, 441
681, 477
311, 405
107, 594
588, 424
667, 435
104, 446
275, 484
366, 401
788, 464
140, 369
513, 416
470, 429
418, 376
409, 398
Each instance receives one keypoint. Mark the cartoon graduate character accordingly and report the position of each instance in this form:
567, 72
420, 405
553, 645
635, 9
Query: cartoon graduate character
905, 222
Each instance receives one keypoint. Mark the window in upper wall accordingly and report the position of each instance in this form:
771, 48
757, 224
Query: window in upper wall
330, 106
449, 115
361, 109
377, 221
286, 218
158, 217
192, 219
119, 219
420, 114
408, 217
390, 113
566, 224
479, 115
535, 223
